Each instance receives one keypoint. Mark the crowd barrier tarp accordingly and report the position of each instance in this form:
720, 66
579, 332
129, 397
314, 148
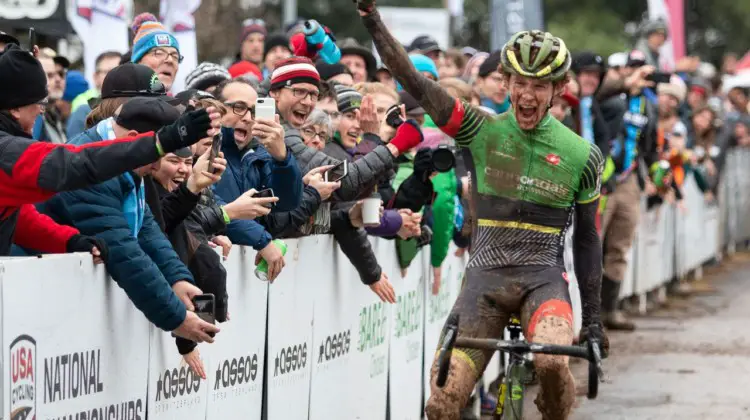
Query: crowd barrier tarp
407, 340
349, 335
437, 308
74, 345
290, 332
73, 342
174, 390
233, 388
234, 363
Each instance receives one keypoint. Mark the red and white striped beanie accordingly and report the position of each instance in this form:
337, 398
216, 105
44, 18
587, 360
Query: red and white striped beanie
294, 70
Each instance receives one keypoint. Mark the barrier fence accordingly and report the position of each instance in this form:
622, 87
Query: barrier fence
316, 344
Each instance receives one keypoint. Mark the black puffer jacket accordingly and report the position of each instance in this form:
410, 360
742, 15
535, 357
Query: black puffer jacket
207, 219
353, 241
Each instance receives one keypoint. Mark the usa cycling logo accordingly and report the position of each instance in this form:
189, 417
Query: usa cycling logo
23, 378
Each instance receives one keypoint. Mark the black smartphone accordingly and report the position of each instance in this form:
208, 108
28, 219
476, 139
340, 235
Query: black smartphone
268, 192
337, 173
215, 149
205, 308
659, 77
32, 39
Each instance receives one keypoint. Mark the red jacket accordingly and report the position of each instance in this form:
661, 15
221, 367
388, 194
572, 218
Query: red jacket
32, 172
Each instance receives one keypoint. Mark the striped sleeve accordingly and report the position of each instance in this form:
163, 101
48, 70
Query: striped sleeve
591, 177
464, 123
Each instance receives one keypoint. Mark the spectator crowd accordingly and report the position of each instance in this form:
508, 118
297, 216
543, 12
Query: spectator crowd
126, 169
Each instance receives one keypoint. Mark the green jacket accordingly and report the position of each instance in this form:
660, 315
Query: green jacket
83, 98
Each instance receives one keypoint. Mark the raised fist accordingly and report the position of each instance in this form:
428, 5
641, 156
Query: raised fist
365, 6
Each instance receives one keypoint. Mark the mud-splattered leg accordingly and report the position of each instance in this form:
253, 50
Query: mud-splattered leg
483, 306
548, 319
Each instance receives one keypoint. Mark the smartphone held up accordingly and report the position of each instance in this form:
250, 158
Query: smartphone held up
205, 308
337, 173
215, 149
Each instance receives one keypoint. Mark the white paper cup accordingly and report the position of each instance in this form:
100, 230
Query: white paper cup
371, 211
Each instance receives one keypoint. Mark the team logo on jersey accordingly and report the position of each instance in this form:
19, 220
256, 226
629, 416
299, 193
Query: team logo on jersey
552, 159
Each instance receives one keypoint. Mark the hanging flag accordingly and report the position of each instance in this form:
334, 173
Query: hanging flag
177, 17
102, 25
672, 12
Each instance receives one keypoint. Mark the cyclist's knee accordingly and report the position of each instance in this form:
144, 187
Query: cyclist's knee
446, 403
548, 365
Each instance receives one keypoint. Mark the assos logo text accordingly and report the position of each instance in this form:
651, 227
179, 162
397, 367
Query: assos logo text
23, 378
291, 359
176, 383
334, 346
236, 372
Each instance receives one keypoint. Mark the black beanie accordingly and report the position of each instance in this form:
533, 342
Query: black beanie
275, 40
327, 71
490, 64
24, 80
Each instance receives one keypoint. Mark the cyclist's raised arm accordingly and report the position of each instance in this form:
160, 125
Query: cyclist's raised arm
453, 116
587, 247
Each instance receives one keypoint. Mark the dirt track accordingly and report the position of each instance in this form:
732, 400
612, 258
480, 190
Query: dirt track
687, 360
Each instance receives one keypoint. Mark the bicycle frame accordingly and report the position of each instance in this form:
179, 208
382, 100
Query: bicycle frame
512, 388
510, 402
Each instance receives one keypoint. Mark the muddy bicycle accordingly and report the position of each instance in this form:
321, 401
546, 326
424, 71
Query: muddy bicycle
519, 369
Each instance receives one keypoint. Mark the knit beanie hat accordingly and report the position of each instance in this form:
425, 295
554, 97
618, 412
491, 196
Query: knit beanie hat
275, 40
253, 26
150, 33
676, 87
75, 84
347, 98
327, 71
24, 80
206, 75
242, 68
294, 70
424, 64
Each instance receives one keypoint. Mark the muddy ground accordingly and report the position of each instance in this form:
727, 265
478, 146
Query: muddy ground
689, 359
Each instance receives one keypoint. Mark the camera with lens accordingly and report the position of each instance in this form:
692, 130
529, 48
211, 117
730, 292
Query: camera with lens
439, 159
393, 116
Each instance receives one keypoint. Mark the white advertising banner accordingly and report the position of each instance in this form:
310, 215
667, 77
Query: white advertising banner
350, 340
439, 306
234, 362
290, 315
407, 341
174, 390
407, 23
74, 344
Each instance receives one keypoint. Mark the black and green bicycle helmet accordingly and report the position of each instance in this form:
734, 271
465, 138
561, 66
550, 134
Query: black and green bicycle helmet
536, 54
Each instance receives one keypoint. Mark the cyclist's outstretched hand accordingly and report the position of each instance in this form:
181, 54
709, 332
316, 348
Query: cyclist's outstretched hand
596, 331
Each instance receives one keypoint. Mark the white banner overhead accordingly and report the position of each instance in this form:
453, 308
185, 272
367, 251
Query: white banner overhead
62, 357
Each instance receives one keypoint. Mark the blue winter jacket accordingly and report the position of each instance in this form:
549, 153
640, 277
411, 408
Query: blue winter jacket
141, 259
255, 168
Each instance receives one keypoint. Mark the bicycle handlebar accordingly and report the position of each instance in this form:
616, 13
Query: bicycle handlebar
592, 353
